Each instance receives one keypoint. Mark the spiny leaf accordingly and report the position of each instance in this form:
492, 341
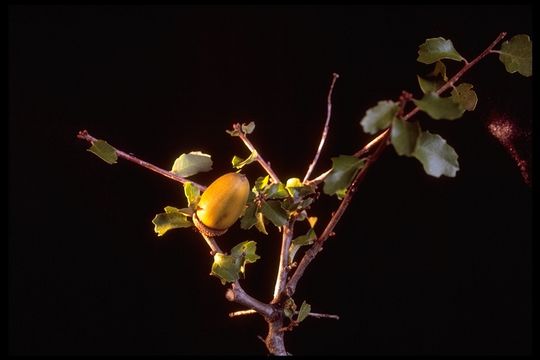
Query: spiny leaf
464, 95
379, 117
516, 55
344, 168
238, 162
437, 157
303, 313
440, 107
404, 135
435, 49
248, 129
273, 211
172, 218
105, 151
193, 194
190, 164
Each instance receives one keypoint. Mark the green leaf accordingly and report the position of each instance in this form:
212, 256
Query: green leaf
516, 55
300, 241
276, 191
273, 211
429, 85
344, 169
379, 117
172, 218
437, 157
229, 267
435, 49
238, 162
440, 69
248, 129
404, 135
304, 311
190, 164
260, 184
105, 151
464, 95
260, 223
440, 107
226, 267
298, 190
246, 250
193, 194
249, 218
437, 78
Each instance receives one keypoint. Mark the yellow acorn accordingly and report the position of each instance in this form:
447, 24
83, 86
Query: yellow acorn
221, 204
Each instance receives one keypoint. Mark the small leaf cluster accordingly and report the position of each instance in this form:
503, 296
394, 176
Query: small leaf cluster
407, 137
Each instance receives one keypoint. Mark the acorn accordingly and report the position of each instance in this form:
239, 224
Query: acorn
221, 204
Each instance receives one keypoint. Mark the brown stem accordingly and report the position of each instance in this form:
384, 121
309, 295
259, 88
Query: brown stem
449, 84
329, 230
266, 166
283, 269
214, 247
84, 135
238, 295
325, 129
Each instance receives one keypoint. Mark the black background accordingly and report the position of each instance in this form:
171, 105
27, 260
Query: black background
419, 265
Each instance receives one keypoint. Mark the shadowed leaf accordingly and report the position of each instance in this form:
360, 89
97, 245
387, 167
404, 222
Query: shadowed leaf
379, 117
516, 55
435, 49
437, 157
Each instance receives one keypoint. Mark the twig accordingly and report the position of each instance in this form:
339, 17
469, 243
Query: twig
214, 247
242, 313
323, 316
328, 231
325, 130
266, 166
238, 295
380, 143
283, 270
84, 135
449, 84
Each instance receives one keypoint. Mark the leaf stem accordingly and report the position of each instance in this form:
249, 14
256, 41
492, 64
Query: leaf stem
84, 135
266, 166
325, 129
